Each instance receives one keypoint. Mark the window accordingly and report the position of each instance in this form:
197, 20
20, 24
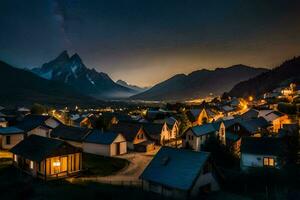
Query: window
31, 165
8, 140
269, 162
15, 158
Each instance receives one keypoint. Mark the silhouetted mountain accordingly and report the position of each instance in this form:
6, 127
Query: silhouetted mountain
23, 87
72, 71
287, 72
133, 87
199, 83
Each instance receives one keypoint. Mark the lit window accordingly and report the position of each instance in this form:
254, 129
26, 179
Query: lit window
15, 158
31, 164
56, 164
269, 162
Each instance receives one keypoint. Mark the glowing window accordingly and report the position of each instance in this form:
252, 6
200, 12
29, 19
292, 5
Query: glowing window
269, 162
15, 158
56, 163
31, 164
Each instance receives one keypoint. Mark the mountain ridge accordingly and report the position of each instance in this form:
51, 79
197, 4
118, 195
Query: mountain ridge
199, 83
266, 82
72, 71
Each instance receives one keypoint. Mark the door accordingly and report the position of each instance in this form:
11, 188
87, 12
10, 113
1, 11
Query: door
117, 148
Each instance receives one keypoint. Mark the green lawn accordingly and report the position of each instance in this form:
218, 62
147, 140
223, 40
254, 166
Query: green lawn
102, 166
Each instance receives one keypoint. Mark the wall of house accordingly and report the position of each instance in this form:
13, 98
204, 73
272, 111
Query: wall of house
140, 137
39, 131
250, 160
120, 140
191, 141
165, 134
164, 191
14, 139
202, 180
97, 149
3, 124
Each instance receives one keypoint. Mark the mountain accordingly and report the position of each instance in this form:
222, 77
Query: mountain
133, 87
22, 87
72, 71
287, 72
199, 83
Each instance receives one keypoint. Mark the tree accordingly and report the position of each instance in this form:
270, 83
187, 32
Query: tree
38, 109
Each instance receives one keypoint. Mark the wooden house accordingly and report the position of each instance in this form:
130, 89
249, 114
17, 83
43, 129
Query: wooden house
38, 125
261, 152
196, 136
199, 116
10, 136
47, 158
159, 133
133, 132
105, 143
179, 174
275, 118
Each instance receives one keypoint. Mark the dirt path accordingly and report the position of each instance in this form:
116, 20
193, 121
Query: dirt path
128, 175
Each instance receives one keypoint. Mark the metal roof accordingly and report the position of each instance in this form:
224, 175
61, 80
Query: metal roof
175, 168
99, 137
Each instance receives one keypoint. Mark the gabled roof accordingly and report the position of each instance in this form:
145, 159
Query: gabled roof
175, 168
10, 131
254, 125
203, 129
31, 122
250, 114
71, 133
153, 130
262, 146
38, 148
99, 137
128, 129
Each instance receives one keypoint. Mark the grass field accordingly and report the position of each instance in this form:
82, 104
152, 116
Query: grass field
102, 166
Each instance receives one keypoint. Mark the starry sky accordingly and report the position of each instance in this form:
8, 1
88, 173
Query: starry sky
146, 41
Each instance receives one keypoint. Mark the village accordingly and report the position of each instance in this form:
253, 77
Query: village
221, 148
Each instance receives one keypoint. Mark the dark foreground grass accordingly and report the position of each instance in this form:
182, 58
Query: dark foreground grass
102, 166
16, 185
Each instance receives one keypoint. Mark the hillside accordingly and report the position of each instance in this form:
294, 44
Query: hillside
199, 83
289, 71
20, 87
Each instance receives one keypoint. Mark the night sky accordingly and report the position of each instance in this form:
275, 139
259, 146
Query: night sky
146, 41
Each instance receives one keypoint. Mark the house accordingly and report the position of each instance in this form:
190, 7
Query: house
10, 136
88, 121
179, 173
72, 135
38, 125
159, 133
47, 158
3, 122
276, 118
105, 143
196, 136
113, 118
133, 132
261, 152
200, 116
172, 124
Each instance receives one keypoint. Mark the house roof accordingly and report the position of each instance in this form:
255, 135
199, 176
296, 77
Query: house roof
128, 129
99, 137
71, 133
32, 121
250, 114
254, 125
262, 145
153, 130
175, 168
10, 131
37, 148
203, 129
